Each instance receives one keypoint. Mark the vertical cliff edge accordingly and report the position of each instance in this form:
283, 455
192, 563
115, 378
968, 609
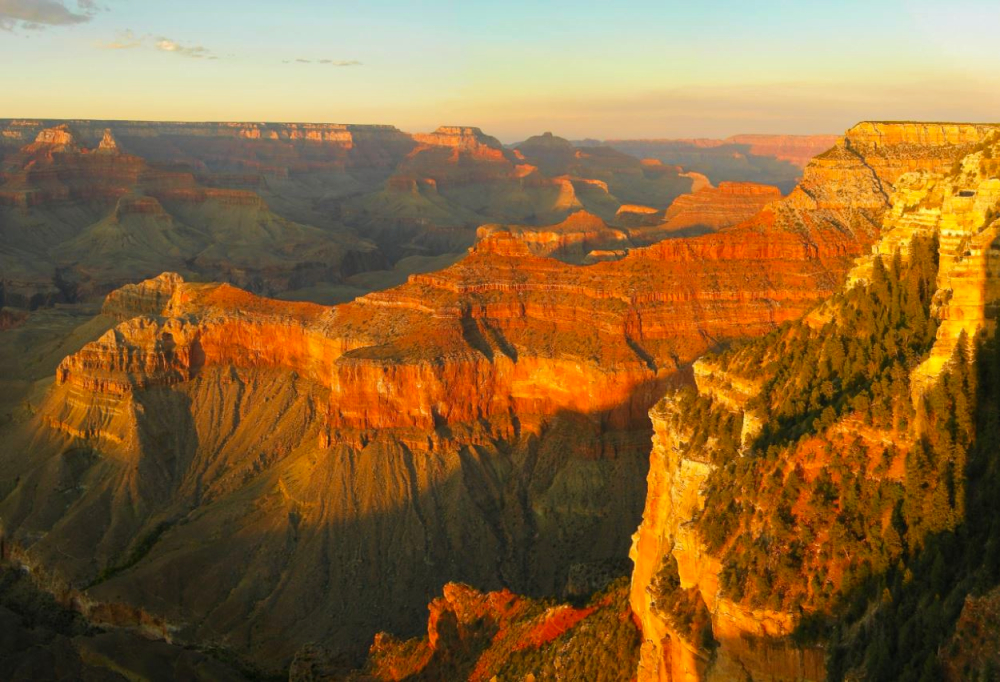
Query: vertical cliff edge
810, 461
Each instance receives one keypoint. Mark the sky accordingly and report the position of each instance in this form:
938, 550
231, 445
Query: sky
516, 68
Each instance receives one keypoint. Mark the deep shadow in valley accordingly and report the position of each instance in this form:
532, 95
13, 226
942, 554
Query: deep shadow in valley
243, 533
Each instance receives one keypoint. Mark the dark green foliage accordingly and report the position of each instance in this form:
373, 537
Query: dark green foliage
935, 478
707, 421
859, 361
770, 522
901, 637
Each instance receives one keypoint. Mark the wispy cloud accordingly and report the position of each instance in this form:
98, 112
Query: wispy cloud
328, 62
127, 40
35, 15
193, 51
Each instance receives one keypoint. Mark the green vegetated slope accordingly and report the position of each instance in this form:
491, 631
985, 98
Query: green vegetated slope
869, 514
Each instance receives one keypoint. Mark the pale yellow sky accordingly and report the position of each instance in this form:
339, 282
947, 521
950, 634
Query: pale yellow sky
637, 69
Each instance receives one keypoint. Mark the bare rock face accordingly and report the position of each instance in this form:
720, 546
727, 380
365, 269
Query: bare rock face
464, 137
146, 298
61, 138
480, 636
708, 210
636, 215
108, 144
940, 180
570, 240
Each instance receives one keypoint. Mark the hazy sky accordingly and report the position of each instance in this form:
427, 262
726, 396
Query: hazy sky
515, 68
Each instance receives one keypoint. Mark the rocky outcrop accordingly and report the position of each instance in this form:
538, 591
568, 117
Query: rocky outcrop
108, 143
752, 643
708, 210
957, 204
635, 215
569, 240
148, 298
499, 635
673, 497
60, 138
466, 138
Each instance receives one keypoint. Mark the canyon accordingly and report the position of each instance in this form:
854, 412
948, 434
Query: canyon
327, 470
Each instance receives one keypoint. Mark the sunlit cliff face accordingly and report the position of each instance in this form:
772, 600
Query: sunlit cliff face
941, 188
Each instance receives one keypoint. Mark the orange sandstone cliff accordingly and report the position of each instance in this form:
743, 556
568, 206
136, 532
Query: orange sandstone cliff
940, 179
706, 210
500, 635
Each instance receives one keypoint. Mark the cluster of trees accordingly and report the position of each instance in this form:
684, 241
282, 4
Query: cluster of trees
935, 468
836, 509
897, 625
860, 360
810, 512
715, 433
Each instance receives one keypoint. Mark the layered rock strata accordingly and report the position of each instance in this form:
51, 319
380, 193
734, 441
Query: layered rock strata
708, 210
324, 470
